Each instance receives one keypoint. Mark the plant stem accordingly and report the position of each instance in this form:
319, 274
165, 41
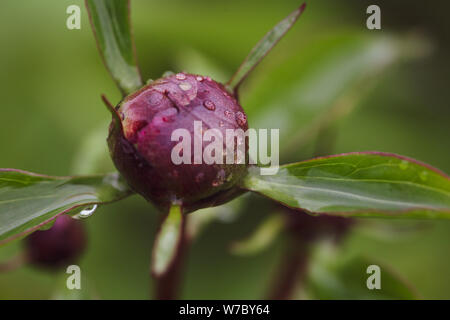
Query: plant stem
304, 231
168, 284
291, 271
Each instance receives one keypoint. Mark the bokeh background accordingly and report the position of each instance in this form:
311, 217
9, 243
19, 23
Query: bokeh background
52, 118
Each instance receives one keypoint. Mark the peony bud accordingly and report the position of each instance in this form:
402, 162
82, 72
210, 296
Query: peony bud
142, 149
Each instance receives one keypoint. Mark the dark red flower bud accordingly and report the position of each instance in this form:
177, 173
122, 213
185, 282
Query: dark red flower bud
142, 148
58, 246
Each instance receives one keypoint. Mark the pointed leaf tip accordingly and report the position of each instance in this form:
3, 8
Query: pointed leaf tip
113, 111
262, 48
110, 22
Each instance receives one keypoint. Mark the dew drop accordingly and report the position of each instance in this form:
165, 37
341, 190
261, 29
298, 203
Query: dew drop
185, 86
199, 78
180, 76
241, 119
167, 74
208, 104
85, 213
221, 124
208, 78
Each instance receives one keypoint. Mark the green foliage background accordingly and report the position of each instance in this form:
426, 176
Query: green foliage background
50, 83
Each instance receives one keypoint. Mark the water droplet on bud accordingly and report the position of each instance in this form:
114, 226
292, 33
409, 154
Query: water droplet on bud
208, 104
180, 76
185, 86
228, 113
241, 119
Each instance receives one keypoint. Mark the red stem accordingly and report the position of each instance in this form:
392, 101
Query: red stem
291, 271
303, 231
168, 284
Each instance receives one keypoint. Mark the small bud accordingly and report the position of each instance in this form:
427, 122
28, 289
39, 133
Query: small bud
58, 246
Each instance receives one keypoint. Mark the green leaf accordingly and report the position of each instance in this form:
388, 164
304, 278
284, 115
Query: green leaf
110, 21
263, 47
28, 201
168, 241
333, 277
366, 184
322, 82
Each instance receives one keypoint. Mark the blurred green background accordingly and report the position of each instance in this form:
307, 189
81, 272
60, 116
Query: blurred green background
51, 79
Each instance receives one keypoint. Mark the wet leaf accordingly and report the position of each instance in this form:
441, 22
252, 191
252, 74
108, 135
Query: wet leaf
29, 201
366, 184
